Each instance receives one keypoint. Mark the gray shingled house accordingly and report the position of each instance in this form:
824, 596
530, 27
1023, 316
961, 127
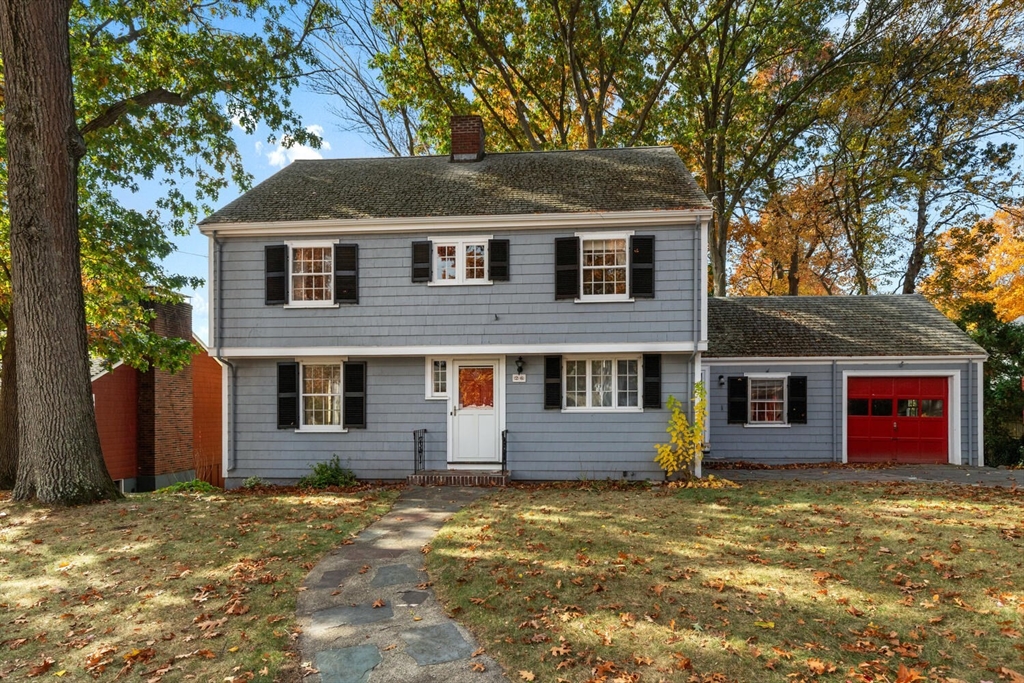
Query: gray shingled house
527, 313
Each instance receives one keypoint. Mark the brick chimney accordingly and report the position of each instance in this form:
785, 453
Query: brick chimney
467, 138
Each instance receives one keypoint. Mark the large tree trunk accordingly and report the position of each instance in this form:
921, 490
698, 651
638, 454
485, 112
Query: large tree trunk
59, 448
915, 262
9, 410
793, 276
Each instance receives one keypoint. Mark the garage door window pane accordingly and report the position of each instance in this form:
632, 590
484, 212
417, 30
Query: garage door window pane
881, 406
931, 407
857, 406
906, 407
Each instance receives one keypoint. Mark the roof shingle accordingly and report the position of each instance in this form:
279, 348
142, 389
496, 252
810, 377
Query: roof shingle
795, 326
629, 179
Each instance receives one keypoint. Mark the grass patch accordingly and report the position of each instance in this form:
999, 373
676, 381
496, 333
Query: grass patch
184, 587
785, 581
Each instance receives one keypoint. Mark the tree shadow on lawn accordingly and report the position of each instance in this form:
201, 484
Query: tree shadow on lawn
167, 585
777, 582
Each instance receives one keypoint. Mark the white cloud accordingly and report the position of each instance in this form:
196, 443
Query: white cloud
281, 156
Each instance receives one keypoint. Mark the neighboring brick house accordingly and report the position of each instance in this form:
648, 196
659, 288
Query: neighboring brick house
157, 427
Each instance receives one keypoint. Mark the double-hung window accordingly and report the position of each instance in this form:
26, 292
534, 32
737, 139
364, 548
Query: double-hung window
602, 384
604, 270
460, 261
321, 396
767, 399
312, 274
437, 377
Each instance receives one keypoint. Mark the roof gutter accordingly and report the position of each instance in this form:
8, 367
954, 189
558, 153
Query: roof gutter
539, 221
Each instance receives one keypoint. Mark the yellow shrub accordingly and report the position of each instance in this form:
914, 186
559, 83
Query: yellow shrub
686, 442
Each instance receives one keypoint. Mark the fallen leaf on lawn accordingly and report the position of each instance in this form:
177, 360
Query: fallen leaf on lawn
561, 650
905, 675
1014, 676
379, 602
527, 675
477, 666
765, 624
44, 666
477, 652
819, 667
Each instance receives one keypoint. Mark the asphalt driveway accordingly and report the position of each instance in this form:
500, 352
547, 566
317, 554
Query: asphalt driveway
944, 474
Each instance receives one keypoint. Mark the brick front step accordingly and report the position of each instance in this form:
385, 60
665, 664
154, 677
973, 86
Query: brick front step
459, 478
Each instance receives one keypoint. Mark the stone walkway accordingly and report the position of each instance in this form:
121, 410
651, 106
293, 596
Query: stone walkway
408, 638
943, 474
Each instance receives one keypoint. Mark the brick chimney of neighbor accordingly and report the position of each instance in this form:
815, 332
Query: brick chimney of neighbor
467, 138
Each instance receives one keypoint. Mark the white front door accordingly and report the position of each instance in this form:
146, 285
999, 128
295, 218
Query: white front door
473, 414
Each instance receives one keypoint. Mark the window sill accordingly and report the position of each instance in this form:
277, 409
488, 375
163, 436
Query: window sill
437, 397
460, 284
326, 304
321, 430
767, 425
602, 300
602, 410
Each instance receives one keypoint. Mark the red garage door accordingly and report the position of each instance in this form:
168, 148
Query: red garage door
901, 419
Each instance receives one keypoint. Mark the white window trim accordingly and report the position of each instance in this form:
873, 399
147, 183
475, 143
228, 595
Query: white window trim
321, 429
460, 243
638, 408
430, 394
597, 298
327, 303
784, 424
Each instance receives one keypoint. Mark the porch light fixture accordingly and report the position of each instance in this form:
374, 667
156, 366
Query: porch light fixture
520, 364
721, 380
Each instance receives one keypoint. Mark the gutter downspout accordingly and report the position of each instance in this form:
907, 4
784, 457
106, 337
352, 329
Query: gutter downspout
229, 397
836, 391
697, 313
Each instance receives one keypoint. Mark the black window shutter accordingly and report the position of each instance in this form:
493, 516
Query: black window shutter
421, 261
354, 406
737, 400
275, 271
497, 255
553, 382
346, 273
797, 401
641, 267
567, 268
287, 395
652, 381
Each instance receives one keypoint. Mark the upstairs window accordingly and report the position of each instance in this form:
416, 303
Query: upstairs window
311, 274
460, 262
604, 269
312, 270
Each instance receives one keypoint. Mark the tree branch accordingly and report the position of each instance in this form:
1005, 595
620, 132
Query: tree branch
145, 99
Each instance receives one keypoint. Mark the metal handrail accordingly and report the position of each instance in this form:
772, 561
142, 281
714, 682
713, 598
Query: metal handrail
504, 450
418, 450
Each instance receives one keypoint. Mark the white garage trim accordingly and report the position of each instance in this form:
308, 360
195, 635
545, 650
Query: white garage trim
953, 397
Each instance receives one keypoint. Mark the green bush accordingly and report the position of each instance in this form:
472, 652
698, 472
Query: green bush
253, 482
194, 486
326, 474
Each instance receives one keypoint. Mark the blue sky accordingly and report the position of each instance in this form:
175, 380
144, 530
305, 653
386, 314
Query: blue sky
261, 161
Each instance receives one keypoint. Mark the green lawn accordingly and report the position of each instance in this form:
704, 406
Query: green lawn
772, 582
165, 586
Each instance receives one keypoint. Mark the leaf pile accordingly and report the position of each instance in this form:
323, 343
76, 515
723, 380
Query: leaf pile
868, 583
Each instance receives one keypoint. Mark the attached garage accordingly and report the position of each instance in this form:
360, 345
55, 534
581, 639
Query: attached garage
856, 379
898, 419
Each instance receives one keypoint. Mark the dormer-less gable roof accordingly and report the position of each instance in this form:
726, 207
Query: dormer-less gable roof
564, 182
832, 326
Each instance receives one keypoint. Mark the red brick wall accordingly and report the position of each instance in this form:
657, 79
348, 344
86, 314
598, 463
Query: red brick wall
206, 424
165, 403
467, 136
116, 397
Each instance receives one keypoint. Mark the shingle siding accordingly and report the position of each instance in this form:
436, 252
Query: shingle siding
393, 311
542, 444
821, 439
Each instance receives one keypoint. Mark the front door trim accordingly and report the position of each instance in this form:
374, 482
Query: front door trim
953, 415
453, 397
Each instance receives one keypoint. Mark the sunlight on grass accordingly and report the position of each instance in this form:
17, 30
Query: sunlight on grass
802, 582
181, 587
